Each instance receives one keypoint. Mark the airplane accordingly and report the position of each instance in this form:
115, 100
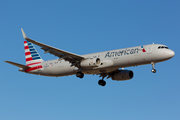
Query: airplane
106, 64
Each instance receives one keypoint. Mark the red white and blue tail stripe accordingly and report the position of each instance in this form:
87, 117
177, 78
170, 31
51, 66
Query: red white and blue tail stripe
32, 57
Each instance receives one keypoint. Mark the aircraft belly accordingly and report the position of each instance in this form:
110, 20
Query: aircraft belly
98, 71
60, 71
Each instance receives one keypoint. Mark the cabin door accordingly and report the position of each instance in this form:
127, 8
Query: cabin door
149, 49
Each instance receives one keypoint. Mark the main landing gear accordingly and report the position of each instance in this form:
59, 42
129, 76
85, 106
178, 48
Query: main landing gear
153, 65
102, 82
80, 74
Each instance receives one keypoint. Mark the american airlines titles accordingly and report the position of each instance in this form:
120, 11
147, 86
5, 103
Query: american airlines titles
121, 53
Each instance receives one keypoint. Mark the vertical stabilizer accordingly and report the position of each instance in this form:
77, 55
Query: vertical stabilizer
32, 56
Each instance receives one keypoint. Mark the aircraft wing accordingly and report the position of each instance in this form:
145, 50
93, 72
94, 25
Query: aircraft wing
71, 57
18, 65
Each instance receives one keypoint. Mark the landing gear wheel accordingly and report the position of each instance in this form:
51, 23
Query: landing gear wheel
153, 70
153, 65
102, 82
80, 74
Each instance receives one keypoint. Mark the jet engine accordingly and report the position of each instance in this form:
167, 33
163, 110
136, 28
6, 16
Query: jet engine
122, 75
90, 62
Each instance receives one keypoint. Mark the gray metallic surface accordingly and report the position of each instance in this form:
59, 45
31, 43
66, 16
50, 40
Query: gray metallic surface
111, 60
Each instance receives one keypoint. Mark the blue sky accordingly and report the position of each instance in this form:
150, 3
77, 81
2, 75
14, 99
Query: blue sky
84, 27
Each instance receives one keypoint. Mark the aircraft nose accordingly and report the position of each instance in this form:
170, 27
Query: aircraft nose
171, 53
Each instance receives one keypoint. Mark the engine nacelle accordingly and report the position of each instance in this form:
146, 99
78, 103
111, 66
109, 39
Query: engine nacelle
123, 75
91, 62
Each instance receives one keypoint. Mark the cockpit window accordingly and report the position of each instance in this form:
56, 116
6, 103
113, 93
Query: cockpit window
163, 47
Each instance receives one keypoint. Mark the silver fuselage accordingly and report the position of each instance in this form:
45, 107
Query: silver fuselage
110, 61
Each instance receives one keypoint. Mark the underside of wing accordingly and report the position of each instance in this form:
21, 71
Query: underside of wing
71, 57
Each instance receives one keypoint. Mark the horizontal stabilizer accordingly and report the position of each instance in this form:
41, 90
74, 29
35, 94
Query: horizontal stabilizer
18, 65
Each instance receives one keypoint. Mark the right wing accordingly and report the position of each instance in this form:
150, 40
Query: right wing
18, 65
71, 57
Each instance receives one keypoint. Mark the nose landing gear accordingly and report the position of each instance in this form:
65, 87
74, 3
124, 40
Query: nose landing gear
153, 65
153, 70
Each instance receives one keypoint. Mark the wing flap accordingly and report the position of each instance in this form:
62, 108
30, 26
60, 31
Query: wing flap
62, 56
18, 65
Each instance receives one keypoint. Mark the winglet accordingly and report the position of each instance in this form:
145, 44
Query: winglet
24, 35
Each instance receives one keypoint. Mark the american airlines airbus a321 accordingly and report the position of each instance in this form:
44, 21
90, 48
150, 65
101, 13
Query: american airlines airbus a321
105, 64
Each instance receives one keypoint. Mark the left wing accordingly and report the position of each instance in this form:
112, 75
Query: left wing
71, 57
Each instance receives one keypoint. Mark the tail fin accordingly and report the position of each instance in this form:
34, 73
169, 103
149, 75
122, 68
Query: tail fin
31, 55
